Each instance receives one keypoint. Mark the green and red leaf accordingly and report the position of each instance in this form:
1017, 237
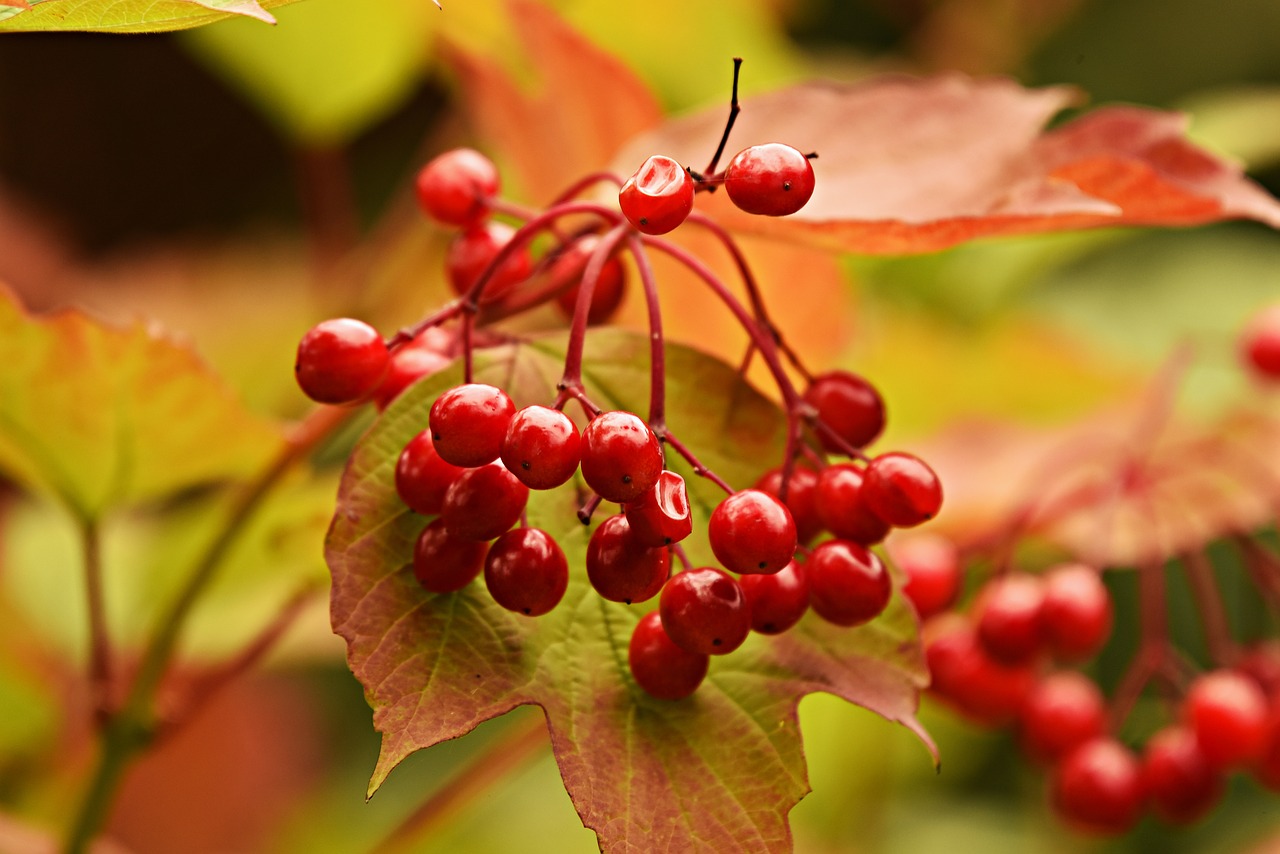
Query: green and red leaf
130, 16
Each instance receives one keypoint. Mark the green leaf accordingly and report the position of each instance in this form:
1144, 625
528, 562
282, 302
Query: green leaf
719, 770
131, 16
99, 416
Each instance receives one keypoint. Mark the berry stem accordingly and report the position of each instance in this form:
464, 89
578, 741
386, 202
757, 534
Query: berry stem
100, 681
734, 109
1153, 655
571, 380
1263, 567
678, 551
657, 350
578, 187
588, 509
1213, 616
698, 468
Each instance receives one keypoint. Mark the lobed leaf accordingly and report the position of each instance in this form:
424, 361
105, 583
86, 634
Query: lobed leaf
718, 771
129, 16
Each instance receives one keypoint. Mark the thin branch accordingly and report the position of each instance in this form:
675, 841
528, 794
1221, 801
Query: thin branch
100, 671
1213, 616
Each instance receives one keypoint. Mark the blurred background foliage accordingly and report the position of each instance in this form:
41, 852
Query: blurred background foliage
216, 180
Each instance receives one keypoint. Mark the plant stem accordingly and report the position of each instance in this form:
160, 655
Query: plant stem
734, 109
571, 380
1208, 598
657, 349
1153, 649
100, 681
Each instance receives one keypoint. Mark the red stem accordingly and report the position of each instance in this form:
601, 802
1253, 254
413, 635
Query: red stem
100, 681
571, 380
1153, 649
1213, 616
657, 349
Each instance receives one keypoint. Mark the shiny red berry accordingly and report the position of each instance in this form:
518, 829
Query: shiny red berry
469, 422
620, 567
621, 456
610, 287
422, 478
340, 361
751, 531
842, 508
1076, 617
662, 669
1228, 713
1260, 343
526, 571
472, 251
409, 364
849, 406
658, 197
771, 179
661, 516
1261, 662
542, 447
848, 584
777, 600
443, 563
980, 688
800, 500
1008, 615
931, 565
902, 490
457, 187
1183, 786
1062, 711
1098, 787
483, 502
705, 611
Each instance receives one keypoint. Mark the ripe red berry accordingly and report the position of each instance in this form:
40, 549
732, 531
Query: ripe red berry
1266, 770
443, 563
469, 422
621, 456
1228, 713
751, 531
771, 179
658, 197
1260, 343
340, 361
1261, 662
1098, 788
526, 571
1181, 783
848, 585
542, 447
483, 502
1062, 711
800, 498
622, 569
610, 288
842, 507
1076, 617
472, 251
849, 405
778, 600
932, 567
457, 187
981, 689
408, 364
422, 477
902, 490
705, 611
1008, 615
662, 669
661, 516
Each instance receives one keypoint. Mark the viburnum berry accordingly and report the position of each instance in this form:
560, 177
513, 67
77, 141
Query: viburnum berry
483, 502
771, 179
541, 447
1076, 615
1227, 711
902, 490
526, 571
457, 187
340, 361
422, 478
705, 611
1261, 662
800, 498
842, 508
931, 564
1098, 787
751, 531
1062, 711
660, 667
964, 675
408, 364
443, 563
1008, 617
1180, 781
1260, 343
661, 516
621, 456
472, 251
620, 567
658, 197
849, 406
610, 287
848, 584
777, 600
469, 422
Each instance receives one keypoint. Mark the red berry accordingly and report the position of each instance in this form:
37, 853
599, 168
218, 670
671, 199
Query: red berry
422, 477
843, 509
471, 252
1261, 662
800, 498
661, 668
848, 585
621, 456
409, 364
483, 502
705, 611
1260, 343
1075, 619
1267, 769
1008, 616
340, 361
457, 187
658, 197
771, 179
1228, 713
1098, 788
848, 405
661, 516
1178, 778
902, 490
542, 447
932, 567
526, 571
443, 563
1062, 711
469, 422
777, 601
610, 288
622, 569
963, 674
751, 531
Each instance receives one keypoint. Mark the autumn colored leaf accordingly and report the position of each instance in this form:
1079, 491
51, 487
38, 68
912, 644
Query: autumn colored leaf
916, 165
130, 16
100, 416
718, 771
